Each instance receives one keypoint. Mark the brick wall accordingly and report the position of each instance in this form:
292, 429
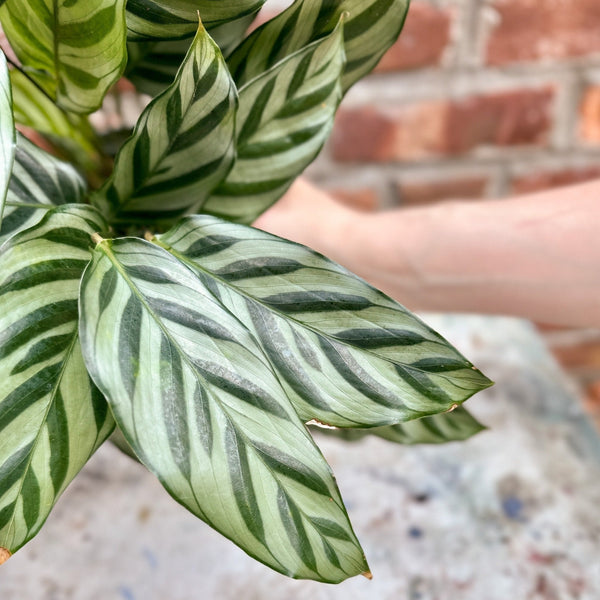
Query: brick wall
478, 99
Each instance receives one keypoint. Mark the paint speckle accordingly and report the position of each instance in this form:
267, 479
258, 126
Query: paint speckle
126, 593
415, 533
513, 508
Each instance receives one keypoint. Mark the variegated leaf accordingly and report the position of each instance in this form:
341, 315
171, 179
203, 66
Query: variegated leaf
455, 426
70, 132
370, 28
346, 354
198, 403
7, 132
182, 146
38, 183
177, 19
73, 50
52, 417
285, 116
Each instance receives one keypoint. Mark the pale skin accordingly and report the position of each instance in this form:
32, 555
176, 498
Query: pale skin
535, 256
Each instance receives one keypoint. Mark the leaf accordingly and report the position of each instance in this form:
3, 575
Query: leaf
7, 133
285, 116
73, 50
455, 426
182, 145
370, 28
70, 132
38, 183
346, 354
177, 19
198, 403
52, 417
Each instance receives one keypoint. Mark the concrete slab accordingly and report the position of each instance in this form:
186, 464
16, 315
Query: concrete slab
511, 514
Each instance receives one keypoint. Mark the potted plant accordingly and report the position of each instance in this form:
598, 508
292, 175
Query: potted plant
143, 302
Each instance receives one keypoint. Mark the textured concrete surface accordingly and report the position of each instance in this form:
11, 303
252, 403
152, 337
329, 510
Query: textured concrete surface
510, 515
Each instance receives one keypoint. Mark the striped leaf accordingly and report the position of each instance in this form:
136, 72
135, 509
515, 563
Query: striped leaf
455, 426
70, 132
177, 19
285, 116
182, 146
370, 28
198, 403
38, 183
7, 132
73, 50
52, 417
346, 354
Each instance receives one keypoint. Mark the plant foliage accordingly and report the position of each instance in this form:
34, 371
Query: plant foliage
208, 344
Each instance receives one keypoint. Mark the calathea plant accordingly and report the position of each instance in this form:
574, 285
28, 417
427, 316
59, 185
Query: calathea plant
146, 304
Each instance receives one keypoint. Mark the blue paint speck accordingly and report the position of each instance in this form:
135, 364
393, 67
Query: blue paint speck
415, 533
513, 508
126, 593
150, 557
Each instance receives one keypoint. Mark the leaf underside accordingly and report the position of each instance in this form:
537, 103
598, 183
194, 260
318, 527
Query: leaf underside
199, 404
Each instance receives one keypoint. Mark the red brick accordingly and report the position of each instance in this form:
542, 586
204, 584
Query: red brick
589, 115
425, 36
546, 180
364, 199
424, 192
530, 30
585, 355
445, 128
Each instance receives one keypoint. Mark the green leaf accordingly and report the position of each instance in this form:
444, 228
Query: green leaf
7, 133
182, 146
70, 132
455, 426
176, 19
73, 50
370, 28
52, 417
346, 354
38, 183
285, 116
198, 403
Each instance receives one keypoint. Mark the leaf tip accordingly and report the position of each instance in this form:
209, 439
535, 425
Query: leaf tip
4, 555
368, 575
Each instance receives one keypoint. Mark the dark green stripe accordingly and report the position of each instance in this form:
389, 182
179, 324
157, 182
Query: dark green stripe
42, 351
241, 482
58, 436
316, 301
39, 321
28, 393
11, 470
292, 468
209, 245
203, 419
258, 267
255, 114
173, 407
372, 339
43, 272
129, 344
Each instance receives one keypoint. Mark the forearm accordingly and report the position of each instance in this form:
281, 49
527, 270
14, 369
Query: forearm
536, 256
